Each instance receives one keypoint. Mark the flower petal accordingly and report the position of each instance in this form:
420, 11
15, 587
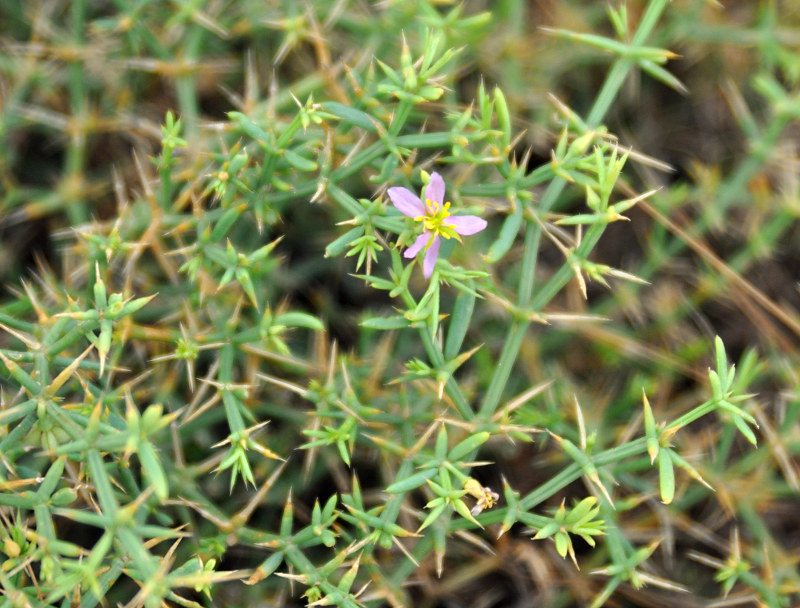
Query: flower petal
435, 189
431, 256
406, 201
466, 224
418, 244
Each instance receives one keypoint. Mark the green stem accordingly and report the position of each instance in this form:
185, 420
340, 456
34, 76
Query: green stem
401, 115
451, 387
517, 330
75, 161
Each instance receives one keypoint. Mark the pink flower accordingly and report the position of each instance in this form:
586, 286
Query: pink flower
437, 222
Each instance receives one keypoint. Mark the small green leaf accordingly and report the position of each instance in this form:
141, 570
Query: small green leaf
249, 127
562, 543
716, 386
744, 429
341, 244
152, 469
468, 445
441, 444
386, 323
102, 483
134, 305
351, 115
343, 451
376, 282
507, 236
463, 510
503, 116
287, 518
409, 483
721, 357
666, 476
650, 429
225, 222
547, 531
299, 319
581, 510
432, 516
459, 323
662, 75
299, 162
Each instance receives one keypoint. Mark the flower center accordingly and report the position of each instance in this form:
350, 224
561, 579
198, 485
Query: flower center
435, 221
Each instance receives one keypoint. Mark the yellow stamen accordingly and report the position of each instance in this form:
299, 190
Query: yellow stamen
434, 222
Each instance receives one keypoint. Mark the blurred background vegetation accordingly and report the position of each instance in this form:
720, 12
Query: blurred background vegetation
84, 89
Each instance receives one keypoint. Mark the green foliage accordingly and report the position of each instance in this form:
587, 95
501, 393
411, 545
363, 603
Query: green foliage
222, 341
